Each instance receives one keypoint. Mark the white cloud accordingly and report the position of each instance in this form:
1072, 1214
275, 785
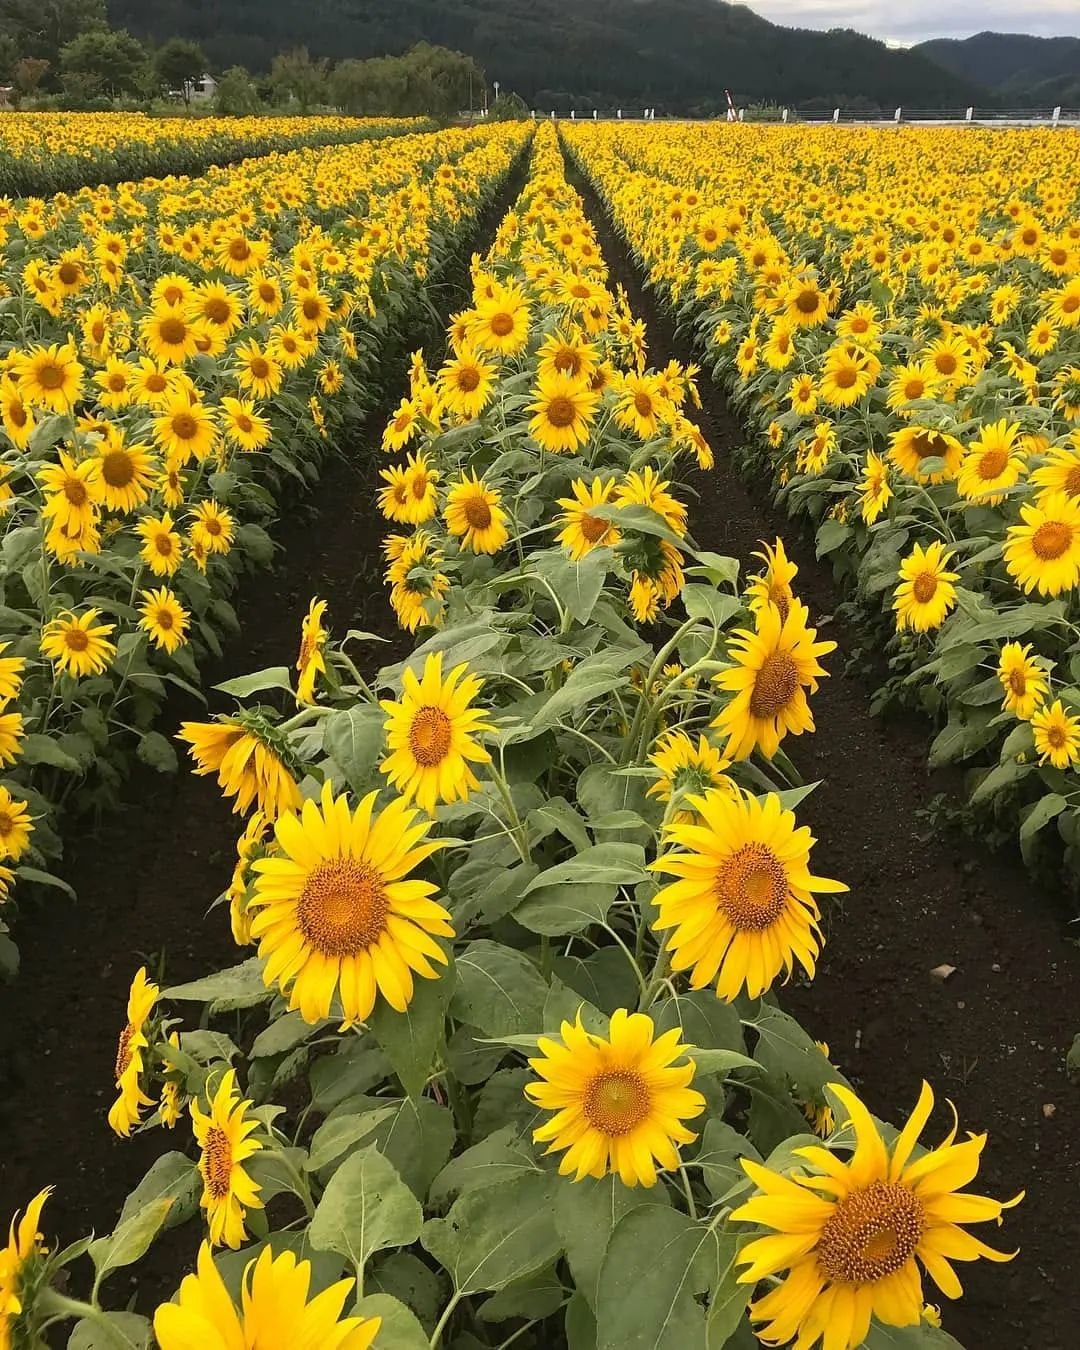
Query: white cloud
919, 19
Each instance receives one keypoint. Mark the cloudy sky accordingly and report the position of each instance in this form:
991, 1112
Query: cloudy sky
918, 19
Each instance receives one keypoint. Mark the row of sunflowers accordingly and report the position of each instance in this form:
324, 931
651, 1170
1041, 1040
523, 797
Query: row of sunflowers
45, 153
904, 342
174, 361
516, 908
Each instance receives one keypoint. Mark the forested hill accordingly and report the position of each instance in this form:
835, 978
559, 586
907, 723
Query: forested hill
1029, 69
676, 54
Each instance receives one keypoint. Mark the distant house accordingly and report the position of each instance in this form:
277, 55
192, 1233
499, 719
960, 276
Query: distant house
201, 90
5, 97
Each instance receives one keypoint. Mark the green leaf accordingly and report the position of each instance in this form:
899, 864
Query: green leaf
500, 1157
40, 878
131, 1238
256, 543
536, 1296
718, 1157
365, 1208
285, 1033
112, 1331
209, 1047
567, 908
589, 681
411, 1281
39, 749
400, 1328
411, 1040
710, 605
706, 1022
158, 752
577, 584
720, 569
586, 1215
608, 864
338, 1134
496, 1235
417, 1139
498, 990
1041, 814
921, 1337
831, 534
273, 677
356, 1066
241, 986
173, 1177
353, 738
786, 1050
580, 1324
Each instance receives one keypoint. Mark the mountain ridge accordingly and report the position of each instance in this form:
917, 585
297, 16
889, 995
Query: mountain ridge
1013, 65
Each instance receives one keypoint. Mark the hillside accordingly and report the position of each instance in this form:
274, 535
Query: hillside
1014, 65
676, 54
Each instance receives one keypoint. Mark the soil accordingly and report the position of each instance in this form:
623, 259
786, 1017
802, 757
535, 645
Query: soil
994, 1035
147, 874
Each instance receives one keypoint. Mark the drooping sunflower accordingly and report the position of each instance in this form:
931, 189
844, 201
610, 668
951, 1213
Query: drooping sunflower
743, 911
125, 1112
773, 586
1057, 735
162, 549
910, 446
564, 410
18, 420
875, 490
851, 1235
164, 618
16, 826
224, 1136
274, 1312
686, 768
431, 735
11, 677
310, 661
77, 644
12, 731
16, 1269
248, 767
582, 531
927, 589
1043, 553
993, 463
50, 377
619, 1103
647, 488
336, 913
402, 427
1023, 682
473, 513
774, 666
466, 383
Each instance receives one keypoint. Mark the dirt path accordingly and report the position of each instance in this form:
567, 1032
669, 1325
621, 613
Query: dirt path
148, 874
994, 1037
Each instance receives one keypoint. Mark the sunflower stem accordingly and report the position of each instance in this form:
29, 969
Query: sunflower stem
441, 1325
688, 1192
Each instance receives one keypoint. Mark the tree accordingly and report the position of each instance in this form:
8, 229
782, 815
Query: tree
426, 80
28, 73
39, 28
9, 55
101, 61
236, 93
295, 75
179, 64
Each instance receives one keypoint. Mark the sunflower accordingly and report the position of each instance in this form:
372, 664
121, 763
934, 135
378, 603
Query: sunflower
466, 383
773, 666
570, 355
875, 491
257, 372
185, 429
927, 590
77, 644
248, 766
686, 768
151, 383
847, 374
619, 1103
1043, 553
851, 1235
310, 662
402, 427
500, 325
641, 407
916, 380
744, 910
75, 492
564, 410
804, 305
243, 424
127, 472
17, 1278
164, 618
12, 731
910, 446
11, 669
224, 1136
649, 489
252, 842
169, 334
50, 377
335, 911
582, 531
773, 587
1023, 682
430, 733
17, 418
1057, 735
213, 526
1060, 471
994, 463
472, 512
115, 383
16, 826
162, 550
274, 1312
125, 1111
802, 395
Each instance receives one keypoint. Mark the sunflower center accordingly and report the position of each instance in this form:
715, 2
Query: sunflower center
123, 1051
992, 463
117, 468
752, 888
68, 273
502, 324
184, 426
846, 376
914, 389
217, 1162
239, 250
117, 383
76, 640
50, 376
871, 1234
18, 415
478, 513
217, 310
1018, 683
7, 824
561, 411
420, 486
75, 491
1051, 540
616, 1101
806, 302
1070, 304
1056, 736
163, 544
924, 587
259, 367
781, 598
774, 685
164, 619
468, 379
267, 293
643, 404
311, 308
172, 331
593, 528
342, 908
156, 383
568, 361
945, 363
429, 736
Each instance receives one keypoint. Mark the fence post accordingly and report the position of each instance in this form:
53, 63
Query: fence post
784, 115
836, 114
969, 114
896, 114
573, 114
553, 114
1057, 115
619, 114
594, 114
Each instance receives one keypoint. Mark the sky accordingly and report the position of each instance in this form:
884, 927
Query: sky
915, 20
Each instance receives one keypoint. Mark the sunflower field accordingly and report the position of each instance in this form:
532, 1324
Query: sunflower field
898, 319
177, 356
44, 153
503, 1059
